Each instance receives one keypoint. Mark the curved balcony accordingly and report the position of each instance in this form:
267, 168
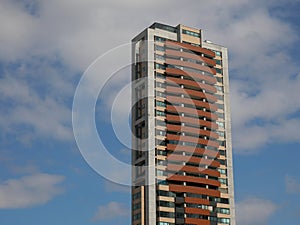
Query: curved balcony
195, 160
194, 190
192, 130
191, 55
191, 149
191, 111
189, 120
194, 75
191, 83
207, 105
193, 139
191, 47
193, 169
205, 212
191, 179
196, 200
192, 93
190, 65
196, 221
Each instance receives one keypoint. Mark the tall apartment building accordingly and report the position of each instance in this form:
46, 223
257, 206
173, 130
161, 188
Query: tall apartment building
181, 145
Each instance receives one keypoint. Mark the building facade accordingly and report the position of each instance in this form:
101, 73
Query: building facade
181, 146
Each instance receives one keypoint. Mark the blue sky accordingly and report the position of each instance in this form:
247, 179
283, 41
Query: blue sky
45, 47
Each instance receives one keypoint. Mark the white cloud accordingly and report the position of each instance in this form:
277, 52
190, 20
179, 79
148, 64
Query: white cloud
254, 211
79, 31
27, 191
274, 99
292, 185
17, 29
273, 106
110, 211
43, 115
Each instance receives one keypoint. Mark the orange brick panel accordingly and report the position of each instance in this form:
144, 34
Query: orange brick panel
191, 65
196, 221
191, 55
197, 211
195, 190
192, 48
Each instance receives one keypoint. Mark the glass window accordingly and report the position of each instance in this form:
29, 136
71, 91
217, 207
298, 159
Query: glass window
160, 94
160, 75
160, 142
161, 85
136, 206
219, 70
220, 106
160, 66
219, 88
213, 219
220, 115
159, 48
221, 124
159, 57
160, 173
224, 200
137, 216
160, 132
223, 181
160, 123
161, 152
191, 33
220, 79
164, 223
222, 171
162, 182
223, 210
137, 196
218, 53
221, 134
164, 27
160, 39
162, 104
161, 162
166, 193
160, 113
166, 204
224, 220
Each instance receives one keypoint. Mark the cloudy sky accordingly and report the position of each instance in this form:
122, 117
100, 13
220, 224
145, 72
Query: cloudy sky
45, 48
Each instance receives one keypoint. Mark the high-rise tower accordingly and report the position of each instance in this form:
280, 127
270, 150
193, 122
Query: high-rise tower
182, 154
